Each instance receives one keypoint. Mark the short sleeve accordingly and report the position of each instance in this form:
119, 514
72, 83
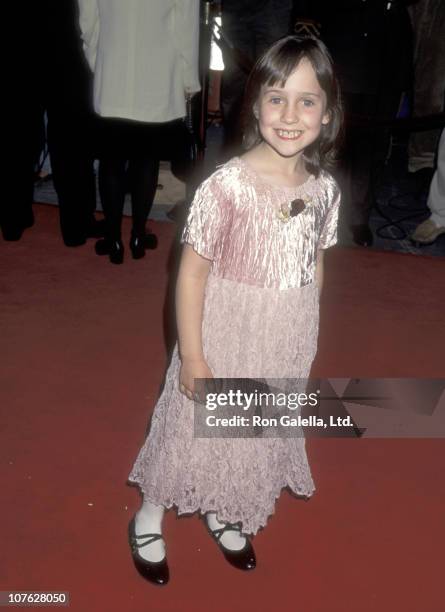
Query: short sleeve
328, 235
206, 219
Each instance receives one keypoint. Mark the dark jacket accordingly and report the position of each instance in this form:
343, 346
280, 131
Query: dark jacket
370, 41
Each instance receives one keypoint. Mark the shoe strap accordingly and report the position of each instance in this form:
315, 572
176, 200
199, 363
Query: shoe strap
150, 537
218, 533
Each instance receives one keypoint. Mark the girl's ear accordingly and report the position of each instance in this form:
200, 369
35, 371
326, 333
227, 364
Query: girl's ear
326, 118
256, 112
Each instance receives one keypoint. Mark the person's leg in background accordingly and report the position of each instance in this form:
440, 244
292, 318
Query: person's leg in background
146, 146
143, 175
112, 184
428, 231
428, 20
23, 147
112, 151
366, 150
236, 26
67, 83
436, 199
73, 172
355, 170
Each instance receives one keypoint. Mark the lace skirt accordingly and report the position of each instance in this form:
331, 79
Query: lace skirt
248, 332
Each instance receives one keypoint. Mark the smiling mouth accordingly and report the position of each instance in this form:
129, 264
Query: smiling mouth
289, 134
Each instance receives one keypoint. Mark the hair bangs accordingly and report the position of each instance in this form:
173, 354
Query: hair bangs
278, 71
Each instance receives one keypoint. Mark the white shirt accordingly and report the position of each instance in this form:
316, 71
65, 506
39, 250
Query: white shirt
144, 56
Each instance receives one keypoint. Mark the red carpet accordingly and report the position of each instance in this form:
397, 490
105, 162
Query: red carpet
84, 355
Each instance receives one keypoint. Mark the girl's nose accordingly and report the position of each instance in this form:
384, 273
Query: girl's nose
290, 114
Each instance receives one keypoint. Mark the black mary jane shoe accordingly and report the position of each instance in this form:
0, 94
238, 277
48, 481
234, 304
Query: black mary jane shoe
243, 559
137, 247
113, 248
156, 572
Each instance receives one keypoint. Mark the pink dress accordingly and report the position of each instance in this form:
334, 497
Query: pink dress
260, 321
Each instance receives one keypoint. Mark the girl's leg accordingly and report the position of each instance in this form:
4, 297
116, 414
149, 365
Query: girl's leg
143, 175
149, 520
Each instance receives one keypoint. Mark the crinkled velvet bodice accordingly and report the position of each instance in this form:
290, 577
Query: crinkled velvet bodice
235, 221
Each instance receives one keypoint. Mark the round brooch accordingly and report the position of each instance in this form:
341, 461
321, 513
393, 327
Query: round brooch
291, 209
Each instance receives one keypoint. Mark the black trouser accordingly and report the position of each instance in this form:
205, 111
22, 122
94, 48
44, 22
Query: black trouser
127, 158
365, 148
22, 146
72, 164
70, 150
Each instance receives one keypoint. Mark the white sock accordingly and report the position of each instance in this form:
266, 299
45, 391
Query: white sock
233, 540
149, 520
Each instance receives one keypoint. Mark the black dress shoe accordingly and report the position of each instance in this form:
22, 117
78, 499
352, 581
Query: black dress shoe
156, 572
150, 241
113, 248
362, 235
74, 240
12, 234
137, 247
243, 559
13, 230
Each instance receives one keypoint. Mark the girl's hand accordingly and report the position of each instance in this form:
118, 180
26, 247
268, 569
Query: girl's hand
191, 369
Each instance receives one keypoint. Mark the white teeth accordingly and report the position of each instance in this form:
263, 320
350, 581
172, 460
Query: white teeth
287, 134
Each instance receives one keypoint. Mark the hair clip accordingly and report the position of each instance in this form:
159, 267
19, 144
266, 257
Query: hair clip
292, 209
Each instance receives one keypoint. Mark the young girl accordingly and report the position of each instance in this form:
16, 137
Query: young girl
247, 307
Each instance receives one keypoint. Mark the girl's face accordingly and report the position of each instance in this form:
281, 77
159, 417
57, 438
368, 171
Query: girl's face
290, 117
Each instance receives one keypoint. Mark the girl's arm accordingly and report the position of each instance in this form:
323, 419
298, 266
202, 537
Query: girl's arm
192, 277
319, 270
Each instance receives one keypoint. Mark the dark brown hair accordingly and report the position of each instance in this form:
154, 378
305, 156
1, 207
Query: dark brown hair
275, 66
